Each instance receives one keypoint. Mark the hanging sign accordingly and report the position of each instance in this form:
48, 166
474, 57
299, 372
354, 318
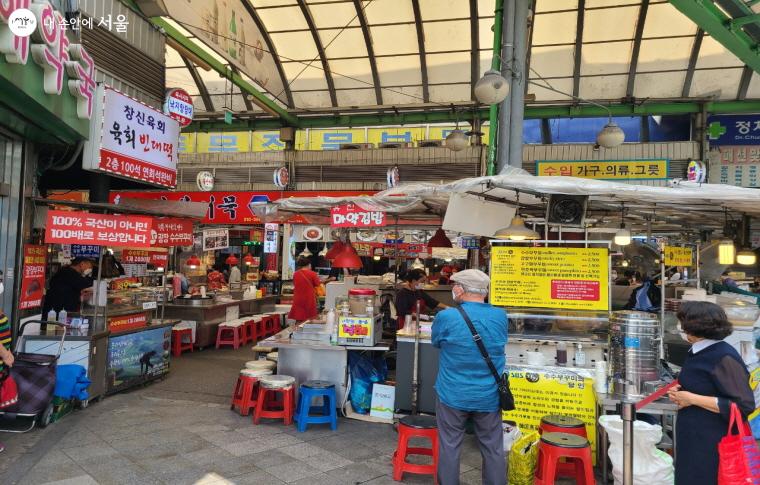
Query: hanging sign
281, 177
605, 169
130, 139
64, 227
540, 277
205, 181
135, 256
733, 129
179, 106
351, 215
677, 256
33, 277
216, 239
169, 232
85, 251
271, 233
468, 242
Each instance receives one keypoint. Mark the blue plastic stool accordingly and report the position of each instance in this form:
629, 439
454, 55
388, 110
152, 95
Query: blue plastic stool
307, 414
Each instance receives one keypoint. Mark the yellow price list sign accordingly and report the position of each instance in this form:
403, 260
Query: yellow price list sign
540, 277
541, 392
677, 256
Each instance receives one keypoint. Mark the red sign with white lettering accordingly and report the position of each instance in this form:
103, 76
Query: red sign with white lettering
575, 290
128, 322
351, 215
172, 232
33, 277
67, 227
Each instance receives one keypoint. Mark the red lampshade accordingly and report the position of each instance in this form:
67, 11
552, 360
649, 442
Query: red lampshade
439, 240
193, 261
232, 260
336, 249
347, 258
248, 259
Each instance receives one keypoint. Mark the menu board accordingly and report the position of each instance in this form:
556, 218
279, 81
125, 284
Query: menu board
541, 277
677, 256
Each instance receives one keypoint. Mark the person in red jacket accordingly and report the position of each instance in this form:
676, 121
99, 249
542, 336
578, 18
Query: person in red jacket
305, 284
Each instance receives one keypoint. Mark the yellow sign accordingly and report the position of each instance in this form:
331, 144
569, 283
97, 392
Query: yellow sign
227, 142
334, 138
605, 169
186, 143
540, 277
395, 135
677, 256
540, 392
355, 327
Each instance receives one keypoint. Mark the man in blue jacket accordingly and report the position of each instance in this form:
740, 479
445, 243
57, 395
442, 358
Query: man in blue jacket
465, 385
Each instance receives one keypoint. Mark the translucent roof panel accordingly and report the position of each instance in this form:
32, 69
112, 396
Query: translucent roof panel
435, 47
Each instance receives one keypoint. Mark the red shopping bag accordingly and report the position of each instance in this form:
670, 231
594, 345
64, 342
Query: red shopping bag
8, 390
738, 453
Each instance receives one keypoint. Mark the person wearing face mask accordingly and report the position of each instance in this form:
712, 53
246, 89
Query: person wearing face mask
465, 386
410, 293
69, 287
712, 378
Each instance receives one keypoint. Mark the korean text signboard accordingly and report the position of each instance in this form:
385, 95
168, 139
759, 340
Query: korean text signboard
605, 169
33, 277
179, 105
88, 251
735, 165
539, 392
127, 322
351, 215
677, 256
130, 139
733, 130
172, 232
540, 277
64, 227
355, 327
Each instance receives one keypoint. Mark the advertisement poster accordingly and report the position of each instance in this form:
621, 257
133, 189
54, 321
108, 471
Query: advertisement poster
169, 232
605, 169
351, 215
271, 233
137, 357
216, 239
33, 277
97, 229
677, 256
540, 392
541, 277
131, 140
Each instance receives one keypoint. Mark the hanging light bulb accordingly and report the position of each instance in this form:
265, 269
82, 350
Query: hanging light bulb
726, 251
231, 260
323, 253
418, 264
517, 231
624, 263
611, 135
248, 260
457, 141
492, 88
623, 235
439, 240
306, 253
746, 257
193, 262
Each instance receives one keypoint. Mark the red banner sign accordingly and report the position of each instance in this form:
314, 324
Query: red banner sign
173, 232
66, 227
405, 250
159, 260
33, 277
128, 322
135, 256
351, 215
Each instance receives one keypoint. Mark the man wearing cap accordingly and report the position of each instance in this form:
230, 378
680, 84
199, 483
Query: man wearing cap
465, 385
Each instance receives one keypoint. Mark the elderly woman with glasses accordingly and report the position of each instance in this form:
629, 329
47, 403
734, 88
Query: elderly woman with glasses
712, 379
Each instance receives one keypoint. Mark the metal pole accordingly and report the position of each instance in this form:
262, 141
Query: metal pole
662, 301
699, 281
415, 370
493, 111
505, 110
517, 91
629, 416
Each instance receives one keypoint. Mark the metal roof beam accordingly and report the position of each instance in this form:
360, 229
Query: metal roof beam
246, 101
744, 83
579, 22
716, 23
636, 48
693, 58
260, 98
320, 50
207, 103
474, 47
747, 19
421, 49
448, 116
370, 50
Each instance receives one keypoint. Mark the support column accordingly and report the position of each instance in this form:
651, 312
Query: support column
519, 77
100, 187
505, 110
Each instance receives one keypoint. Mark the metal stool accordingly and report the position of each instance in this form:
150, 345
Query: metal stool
575, 449
416, 427
325, 414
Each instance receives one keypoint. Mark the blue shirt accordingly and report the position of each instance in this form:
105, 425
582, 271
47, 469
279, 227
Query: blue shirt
464, 380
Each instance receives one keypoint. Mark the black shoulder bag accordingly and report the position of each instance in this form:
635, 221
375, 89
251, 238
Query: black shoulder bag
506, 399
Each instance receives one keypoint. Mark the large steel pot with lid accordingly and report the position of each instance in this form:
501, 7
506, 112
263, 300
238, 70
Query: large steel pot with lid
634, 352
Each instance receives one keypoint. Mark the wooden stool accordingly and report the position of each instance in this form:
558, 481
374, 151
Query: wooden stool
575, 449
416, 427
178, 346
268, 405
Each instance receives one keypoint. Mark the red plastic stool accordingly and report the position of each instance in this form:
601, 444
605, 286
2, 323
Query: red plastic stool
247, 390
555, 423
229, 335
250, 333
270, 324
575, 449
276, 399
416, 427
178, 346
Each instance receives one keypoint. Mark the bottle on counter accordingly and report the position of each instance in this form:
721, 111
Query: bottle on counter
561, 354
580, 356
63, 316
334, 335
52, 316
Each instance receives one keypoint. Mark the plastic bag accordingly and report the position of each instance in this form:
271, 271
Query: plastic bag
650, 465
739, 455
511, 434
522, 459
364, 373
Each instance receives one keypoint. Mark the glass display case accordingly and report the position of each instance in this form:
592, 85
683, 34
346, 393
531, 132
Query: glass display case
545, 322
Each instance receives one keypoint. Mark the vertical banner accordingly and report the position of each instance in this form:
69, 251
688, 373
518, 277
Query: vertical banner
270, 238
33, 277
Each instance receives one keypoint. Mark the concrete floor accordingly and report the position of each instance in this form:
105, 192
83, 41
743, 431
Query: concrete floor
181, 431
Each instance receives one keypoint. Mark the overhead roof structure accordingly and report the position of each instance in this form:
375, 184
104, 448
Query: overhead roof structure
313, 57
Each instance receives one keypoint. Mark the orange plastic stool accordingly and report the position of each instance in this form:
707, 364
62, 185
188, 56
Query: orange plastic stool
416, 427
227, 335
250, 333
178, 346
575, 449
276, 399
245, 395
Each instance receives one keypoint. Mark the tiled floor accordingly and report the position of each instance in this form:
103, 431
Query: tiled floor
181, 431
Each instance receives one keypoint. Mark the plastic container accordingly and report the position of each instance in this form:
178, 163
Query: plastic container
580, 356
63, 316
361, 302
561, 354
52, 316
